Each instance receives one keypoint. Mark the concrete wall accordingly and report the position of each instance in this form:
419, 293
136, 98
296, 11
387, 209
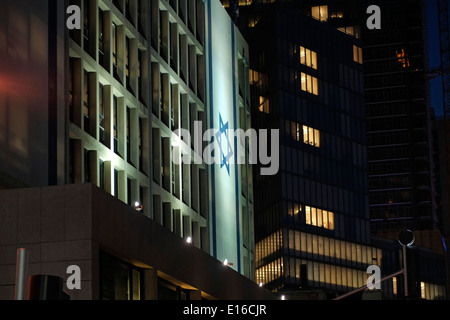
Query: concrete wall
69, 225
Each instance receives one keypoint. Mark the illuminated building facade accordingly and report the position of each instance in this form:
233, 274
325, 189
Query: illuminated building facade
311, 220
124, 137
117, 92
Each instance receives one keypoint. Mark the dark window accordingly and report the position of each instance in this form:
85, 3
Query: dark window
119, 280
101, 115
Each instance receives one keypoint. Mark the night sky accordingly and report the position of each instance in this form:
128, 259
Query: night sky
434, 56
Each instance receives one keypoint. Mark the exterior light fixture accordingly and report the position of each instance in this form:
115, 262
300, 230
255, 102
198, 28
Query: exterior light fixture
138, 206
227, 263
283, 297
189, 239
260, 284
406, 238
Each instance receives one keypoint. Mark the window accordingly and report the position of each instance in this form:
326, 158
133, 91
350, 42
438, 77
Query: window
86, 111
86, 12
264, 105
101, 114
115, 126
311, 136
116, 183
320, 13
127, 62
87, 166
119, 280
319, 218
114, 48
141, 162
403, 58
101, 37
139, 74
71, 83
394, 285
309, 84
293, 130
129, 202
308, 58
128, 135
357, 54
173, 172
102, 174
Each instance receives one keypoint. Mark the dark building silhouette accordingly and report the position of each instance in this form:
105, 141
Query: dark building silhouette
398, 118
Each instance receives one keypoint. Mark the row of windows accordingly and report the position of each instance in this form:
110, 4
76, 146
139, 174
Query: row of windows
181, 49
103, 42
312, 216
307, 135
309, 84
348, 76
302, 242
317, 274
325, 275
267, 247
331, 97
308, 57
430, 291
124, 135
330, 146
308, 172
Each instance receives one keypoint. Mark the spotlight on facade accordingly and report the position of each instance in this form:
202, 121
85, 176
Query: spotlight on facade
227, 263
138, 206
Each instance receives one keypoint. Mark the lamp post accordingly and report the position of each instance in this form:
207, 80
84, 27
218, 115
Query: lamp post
406, 239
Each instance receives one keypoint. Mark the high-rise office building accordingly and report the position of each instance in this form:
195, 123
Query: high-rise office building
349, 17
106, 105
311, 220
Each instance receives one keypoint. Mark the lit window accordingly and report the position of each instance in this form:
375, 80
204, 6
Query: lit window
308, 58
337, 15
422, 290
403, 58
264, 105
357, 54
311, 136
394, 285
319, 218
320, 13
309, 84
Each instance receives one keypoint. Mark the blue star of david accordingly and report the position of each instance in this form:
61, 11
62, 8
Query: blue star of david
222, 138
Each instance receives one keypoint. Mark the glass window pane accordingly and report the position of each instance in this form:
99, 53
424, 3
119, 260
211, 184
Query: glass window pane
317, 138
308, 57
313, 217
308, 214
309, 84
331, 220
314, 60
325, 219
303, 80
319, 218
315, 12
315, 85
302, 55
